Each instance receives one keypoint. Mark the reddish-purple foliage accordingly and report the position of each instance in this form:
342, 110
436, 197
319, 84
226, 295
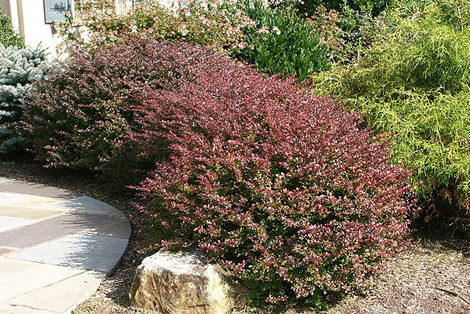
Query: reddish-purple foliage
277, 184
83, 114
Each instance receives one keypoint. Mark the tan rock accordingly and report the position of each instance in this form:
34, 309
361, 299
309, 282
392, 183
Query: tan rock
182, 283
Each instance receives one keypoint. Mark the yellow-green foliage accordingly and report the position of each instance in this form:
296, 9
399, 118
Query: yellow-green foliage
414, 83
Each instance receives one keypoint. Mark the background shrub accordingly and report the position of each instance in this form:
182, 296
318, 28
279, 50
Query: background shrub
275, 39
210, 23
285, 189
83, 114
282, 42
373, 6
414, 83
8, 36
18, 69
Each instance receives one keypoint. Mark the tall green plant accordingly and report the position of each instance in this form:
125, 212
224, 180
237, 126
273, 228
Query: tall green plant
414, 82
8, 36
282, 42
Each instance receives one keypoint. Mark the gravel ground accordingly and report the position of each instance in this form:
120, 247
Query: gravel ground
431, 277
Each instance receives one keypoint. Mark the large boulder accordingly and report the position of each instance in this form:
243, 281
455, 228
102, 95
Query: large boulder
183, 283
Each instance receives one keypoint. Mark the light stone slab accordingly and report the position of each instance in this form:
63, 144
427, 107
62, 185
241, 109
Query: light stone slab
23, 187
50, 240
85, 204
11, 198
6, 250
83, 251
39, 201
3, 180
31, 276
78, 288
28, 212
10, 266
10, 309
119, 228
7, 223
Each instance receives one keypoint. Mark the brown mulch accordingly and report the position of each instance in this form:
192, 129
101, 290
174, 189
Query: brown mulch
433, 276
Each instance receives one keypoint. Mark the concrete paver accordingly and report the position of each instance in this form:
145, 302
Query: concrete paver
82, 251
6, 198
57, 227
36, 189
85, 204
55, 247
31, 277
27, 212
78, 287
7, 223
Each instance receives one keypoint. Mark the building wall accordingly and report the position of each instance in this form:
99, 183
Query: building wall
28, 18
33, 26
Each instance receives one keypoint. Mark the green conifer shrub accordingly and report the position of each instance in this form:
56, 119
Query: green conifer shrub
18, 69
414, 82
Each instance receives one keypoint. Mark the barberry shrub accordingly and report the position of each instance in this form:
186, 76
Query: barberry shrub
83, 114
19, 67
283, 188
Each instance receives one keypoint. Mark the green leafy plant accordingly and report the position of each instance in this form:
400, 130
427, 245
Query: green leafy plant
282, 42
414, 83
8, 36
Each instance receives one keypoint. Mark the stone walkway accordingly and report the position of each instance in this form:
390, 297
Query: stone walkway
55, 247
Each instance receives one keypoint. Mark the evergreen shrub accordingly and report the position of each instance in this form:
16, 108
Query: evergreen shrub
285, 189
83, 114
414, 83
18, 69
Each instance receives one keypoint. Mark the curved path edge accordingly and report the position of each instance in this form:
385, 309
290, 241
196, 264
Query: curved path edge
56, 247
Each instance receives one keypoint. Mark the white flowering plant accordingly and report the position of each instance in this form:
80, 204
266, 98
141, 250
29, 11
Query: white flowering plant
211, 23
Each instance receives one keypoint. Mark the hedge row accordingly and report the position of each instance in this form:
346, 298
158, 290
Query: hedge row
285, 189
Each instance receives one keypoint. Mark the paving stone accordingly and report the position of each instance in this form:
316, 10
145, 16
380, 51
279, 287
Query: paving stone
10, 266
3, 180
6, 251
78, 287
85, 204
51, 229
28, 212
9, 198
28, 276
39, 201
10, 309
23, 187
55, 247
83, 251
8, 223
119, 228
